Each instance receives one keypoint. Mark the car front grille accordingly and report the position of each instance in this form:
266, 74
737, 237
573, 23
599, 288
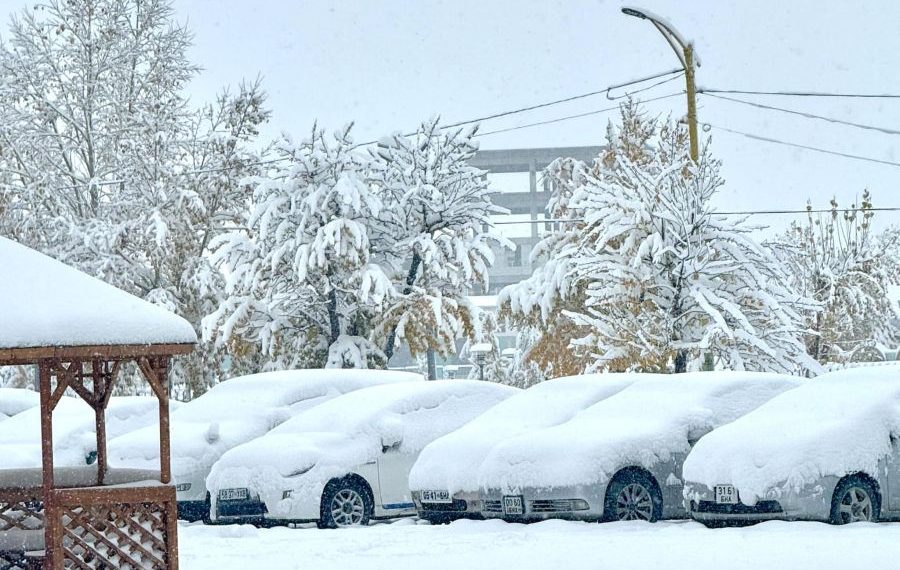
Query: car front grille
552, 506
492, 507
457, 505
762, 507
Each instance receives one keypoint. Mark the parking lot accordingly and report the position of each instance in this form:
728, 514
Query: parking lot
471, 545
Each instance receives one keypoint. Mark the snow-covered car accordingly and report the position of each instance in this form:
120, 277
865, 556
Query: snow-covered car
232, 413
827, 451
74, 431
16, 400
444, 480
621, 458
346, 461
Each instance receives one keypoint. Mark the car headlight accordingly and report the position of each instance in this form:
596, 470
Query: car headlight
580, 505
181, 487
299, 472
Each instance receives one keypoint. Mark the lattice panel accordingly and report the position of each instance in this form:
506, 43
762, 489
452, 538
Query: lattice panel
127, 537
21, 515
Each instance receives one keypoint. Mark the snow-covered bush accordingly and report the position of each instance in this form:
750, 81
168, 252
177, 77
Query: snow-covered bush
838, 260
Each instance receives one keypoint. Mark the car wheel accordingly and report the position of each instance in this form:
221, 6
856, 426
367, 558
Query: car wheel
345, 502
633, 496
855, 500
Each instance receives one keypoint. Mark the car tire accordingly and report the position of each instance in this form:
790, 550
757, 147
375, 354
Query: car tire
345, 502
855, 499
632, 495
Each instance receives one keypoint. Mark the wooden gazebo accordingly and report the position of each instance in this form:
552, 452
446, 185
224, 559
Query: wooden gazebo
78, 332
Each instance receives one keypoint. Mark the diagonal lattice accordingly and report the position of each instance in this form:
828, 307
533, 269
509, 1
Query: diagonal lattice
119, 536
21, 515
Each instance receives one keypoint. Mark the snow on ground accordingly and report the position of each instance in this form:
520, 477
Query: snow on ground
474, 545
45, 303
838, 423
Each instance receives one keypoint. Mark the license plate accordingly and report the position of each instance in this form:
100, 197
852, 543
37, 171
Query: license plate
513, 505
725, 495
233, 494
436, 497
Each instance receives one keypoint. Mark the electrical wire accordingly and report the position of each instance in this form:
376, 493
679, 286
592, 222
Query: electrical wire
803, 146
802, 93
570, 117
807, 115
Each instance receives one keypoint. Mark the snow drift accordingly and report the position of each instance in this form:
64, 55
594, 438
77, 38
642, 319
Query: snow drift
452, 462
655, 417
16, 400
839, 423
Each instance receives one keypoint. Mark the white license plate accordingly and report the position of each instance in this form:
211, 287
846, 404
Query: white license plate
513, 505
233, 494
436, 497
725, 495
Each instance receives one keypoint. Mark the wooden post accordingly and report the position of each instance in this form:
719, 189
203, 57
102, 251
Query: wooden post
51, 542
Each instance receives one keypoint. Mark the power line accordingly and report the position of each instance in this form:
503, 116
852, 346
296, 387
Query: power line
803, 146
803, 93
718, 213
565, 100
569, 117
807, 115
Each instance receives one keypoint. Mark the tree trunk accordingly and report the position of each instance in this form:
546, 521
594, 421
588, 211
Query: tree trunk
410, 279
680, 361
333, 320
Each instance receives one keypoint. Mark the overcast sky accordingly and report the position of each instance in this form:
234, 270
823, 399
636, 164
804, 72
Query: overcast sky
388, 64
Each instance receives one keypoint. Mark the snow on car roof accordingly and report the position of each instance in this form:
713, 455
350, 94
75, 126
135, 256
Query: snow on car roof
74, 427
44, 302
340, 434
241, 409
452, 461
16, 400
641, 425
838, 423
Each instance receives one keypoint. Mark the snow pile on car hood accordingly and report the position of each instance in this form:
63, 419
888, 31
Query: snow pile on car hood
74, 430
335, 437
16, 400
646, 423
838, 423
452, 462
239, 410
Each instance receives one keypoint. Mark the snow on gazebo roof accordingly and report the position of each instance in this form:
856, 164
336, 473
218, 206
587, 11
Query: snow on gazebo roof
45, 303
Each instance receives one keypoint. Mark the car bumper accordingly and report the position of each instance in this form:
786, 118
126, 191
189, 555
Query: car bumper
462, 506
812, 502
582, 502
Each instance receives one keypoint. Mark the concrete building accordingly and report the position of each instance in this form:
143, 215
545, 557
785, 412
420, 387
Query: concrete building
516, 174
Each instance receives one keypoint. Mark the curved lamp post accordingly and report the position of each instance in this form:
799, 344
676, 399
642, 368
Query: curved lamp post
685, 52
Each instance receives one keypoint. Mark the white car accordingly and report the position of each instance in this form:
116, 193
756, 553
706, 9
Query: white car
16, 400
346, 461
621, 458
74, 431
827, 451
444, 480
232, 413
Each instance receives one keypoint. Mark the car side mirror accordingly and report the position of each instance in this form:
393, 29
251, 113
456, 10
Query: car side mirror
388, 443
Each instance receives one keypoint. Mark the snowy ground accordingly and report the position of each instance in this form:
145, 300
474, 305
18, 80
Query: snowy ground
471, 545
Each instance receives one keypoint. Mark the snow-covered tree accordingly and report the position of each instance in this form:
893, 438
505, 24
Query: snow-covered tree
539, 304
666, 280
302, 283
434, 232
98, 149
841, 262
496, 367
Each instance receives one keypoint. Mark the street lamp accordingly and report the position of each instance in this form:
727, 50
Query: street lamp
479, 352
685, 52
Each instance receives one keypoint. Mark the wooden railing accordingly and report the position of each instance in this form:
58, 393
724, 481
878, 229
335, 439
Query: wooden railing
117, 527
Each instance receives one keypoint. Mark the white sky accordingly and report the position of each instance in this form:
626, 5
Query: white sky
388, 64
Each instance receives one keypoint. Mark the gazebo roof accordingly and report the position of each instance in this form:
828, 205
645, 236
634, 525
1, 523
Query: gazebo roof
47, 307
